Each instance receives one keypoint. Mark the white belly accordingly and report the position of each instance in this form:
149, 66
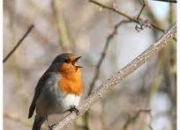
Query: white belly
70, 100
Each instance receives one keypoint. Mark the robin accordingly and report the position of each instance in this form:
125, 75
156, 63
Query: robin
59, 89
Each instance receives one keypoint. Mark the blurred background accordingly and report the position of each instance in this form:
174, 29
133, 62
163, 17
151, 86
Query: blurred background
145, 100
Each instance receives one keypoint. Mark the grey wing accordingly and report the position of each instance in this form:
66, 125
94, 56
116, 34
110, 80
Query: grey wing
38, 90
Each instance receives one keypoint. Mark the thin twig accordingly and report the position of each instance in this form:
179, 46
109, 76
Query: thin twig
140, 27
123, 14
170, 1
18, 43
119, 76
150, 122
132, 119
144, 4
103, 54
97, 69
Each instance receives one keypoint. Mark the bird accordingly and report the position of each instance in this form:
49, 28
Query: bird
58, 90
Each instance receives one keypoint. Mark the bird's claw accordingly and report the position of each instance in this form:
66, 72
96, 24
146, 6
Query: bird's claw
51, 126
74, 109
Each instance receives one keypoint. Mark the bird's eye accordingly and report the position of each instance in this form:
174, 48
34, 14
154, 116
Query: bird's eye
67, 60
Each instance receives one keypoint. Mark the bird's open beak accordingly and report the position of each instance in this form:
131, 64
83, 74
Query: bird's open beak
77, 66
77, 58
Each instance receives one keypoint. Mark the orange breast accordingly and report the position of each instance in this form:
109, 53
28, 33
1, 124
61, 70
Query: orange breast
70, 87
71, 84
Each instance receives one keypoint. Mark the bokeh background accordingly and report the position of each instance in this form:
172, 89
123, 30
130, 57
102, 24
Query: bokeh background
82, 27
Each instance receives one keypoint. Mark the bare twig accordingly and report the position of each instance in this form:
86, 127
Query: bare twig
144, 4
123, 14
150, 122
140, 27
170, 1
103, 54
119, 76
137, 114
97, 69
64, 38
18, 43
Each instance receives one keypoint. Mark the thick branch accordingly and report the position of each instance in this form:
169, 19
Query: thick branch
119, 76
18, 43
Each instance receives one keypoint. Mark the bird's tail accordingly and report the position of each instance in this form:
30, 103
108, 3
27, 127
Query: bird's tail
39, 120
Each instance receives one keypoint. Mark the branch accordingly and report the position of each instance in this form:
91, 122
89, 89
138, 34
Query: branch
64, 37
137, 114
123, 14
119, 76
103, 54
139, 26
97, 69
170, 1
144, 4
18, 43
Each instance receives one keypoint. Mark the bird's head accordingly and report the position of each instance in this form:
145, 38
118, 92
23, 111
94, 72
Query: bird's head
67, 63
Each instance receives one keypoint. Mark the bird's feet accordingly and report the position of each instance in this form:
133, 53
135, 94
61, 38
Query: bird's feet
51, 126
74, 109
